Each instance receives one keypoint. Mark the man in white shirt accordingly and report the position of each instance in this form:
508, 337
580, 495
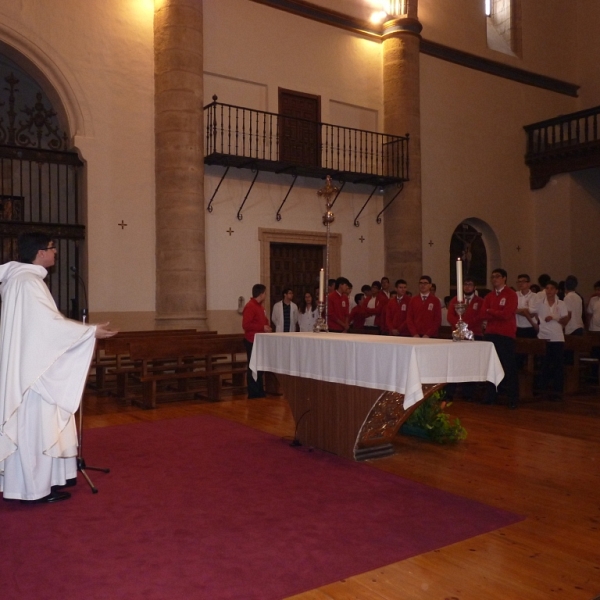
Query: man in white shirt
553, 316
593, 309
527, 326
285, 313
574, 304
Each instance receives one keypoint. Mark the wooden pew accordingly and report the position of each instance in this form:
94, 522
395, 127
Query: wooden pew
178, 359
581, 347
118, 359
110, 352
532, 348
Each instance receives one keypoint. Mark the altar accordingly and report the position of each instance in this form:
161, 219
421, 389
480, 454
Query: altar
350, 393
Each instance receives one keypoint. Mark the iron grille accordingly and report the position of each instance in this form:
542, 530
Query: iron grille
247, 138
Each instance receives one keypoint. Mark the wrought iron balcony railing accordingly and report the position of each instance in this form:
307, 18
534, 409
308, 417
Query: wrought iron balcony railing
246, 138
563, 144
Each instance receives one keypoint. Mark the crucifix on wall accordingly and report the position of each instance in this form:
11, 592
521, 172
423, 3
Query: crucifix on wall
467, 236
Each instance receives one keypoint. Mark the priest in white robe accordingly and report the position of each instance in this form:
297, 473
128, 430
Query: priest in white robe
44, 361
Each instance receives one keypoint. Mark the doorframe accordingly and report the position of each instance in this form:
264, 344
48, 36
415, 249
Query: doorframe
283, 236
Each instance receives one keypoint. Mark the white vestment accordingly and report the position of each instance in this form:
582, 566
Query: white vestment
44, 361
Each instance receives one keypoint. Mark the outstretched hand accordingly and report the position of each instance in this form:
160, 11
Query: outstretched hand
103, 332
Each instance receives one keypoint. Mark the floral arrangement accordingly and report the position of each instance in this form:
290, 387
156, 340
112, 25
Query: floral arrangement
431, 420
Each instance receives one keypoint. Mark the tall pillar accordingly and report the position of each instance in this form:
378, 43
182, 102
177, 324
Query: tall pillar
401, 110
179, 164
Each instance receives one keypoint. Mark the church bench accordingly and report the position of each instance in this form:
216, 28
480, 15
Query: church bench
186, 358
531, 347
580, 348
113, 353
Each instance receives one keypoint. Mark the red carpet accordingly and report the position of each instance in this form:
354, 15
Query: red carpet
205, 508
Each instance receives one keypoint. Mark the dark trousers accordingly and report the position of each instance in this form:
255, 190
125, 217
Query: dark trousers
552, 374
505, 348
255, 386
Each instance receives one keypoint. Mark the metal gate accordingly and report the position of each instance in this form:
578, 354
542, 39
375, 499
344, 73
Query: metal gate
39, 190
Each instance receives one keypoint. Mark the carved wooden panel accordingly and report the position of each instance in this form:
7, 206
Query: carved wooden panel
294, 265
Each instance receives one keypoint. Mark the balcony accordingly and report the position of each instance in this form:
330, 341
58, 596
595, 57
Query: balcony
262, 141
562, 145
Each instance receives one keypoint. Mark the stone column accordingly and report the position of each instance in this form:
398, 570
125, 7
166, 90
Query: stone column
179, 165
401, 110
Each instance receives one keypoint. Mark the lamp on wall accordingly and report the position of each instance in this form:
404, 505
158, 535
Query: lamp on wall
488, 8
390, 9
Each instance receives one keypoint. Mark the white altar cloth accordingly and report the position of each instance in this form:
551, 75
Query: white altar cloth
380, 362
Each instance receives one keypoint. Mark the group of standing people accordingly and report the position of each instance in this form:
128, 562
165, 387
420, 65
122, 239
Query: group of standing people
499, 317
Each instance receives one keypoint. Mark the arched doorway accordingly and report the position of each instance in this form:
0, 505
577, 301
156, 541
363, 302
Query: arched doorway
40, 178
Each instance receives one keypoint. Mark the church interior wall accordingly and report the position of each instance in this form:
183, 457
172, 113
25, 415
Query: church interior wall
473, 147
250, 51
554, 228
233, 261
588, 46
585, 220
548, 31
106, 49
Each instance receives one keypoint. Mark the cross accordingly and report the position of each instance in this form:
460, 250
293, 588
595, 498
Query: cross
229, 231
362, 239
518, 248
327, 191
122, 224
430, 243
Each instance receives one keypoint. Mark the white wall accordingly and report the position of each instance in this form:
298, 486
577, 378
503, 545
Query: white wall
250, 51
100, 57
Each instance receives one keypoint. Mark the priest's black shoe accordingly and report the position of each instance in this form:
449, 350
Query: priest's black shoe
51, 497
69, 483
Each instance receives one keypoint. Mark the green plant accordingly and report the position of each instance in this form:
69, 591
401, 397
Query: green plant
430, 417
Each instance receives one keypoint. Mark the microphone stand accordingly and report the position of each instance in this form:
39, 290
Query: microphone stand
81, 466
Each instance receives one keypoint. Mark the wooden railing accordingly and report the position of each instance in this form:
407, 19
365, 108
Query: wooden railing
563, 144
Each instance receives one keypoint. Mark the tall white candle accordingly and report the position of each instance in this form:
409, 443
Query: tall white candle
322, 285
460, 295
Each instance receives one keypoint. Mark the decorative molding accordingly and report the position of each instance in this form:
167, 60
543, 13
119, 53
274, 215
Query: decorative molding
459, 57
286, 236
492, 67
326, 16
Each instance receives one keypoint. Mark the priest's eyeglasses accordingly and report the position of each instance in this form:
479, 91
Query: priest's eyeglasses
51, 248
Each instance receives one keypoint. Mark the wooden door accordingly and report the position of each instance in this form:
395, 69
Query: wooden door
299, 135
296, 266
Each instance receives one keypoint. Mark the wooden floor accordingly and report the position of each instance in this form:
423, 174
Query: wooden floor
541, 461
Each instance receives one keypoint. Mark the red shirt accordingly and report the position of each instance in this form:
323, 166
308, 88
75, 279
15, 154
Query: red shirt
381, 301
338, 311
499, 310
472, 316
358, 316
254, 319
424, 316
396, 313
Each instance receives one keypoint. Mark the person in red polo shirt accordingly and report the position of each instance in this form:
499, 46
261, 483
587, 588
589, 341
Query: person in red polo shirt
255, 320
472, 316
338, 307
397, 310
500, 310
424, 311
